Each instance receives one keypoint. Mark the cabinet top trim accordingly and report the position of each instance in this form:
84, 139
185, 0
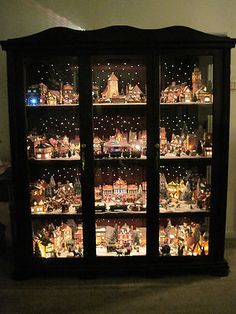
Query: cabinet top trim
66, 37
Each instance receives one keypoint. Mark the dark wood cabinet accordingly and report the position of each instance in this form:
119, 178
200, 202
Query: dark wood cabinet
119, 142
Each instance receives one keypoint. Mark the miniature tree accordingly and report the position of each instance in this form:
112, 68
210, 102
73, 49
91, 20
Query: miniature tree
115, 234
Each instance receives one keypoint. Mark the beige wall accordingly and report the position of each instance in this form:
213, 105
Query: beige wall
24, 17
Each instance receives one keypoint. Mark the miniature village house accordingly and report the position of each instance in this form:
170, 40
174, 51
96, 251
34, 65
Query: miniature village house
43, 150
40, 94
111, 90
120, 187
125, 235
183, 93
133, 93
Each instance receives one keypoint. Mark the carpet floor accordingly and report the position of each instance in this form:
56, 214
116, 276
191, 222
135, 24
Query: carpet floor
180, 294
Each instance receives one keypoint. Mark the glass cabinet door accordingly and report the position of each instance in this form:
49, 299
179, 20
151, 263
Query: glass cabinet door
53, 147
120, 154
186, 125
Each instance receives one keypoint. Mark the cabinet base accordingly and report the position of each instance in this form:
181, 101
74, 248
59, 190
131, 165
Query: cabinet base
115, 267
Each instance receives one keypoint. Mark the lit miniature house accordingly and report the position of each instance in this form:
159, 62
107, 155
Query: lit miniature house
79, 235
43, 151
204, 94
52, 97
120, 187
132, 190
38, 205
134, 94
107, 191
111, 89
98, 193
67, 232
116, 145
163, 139
69, 95
207, 147
100, 235
171, 93
35, 94
196, 80
125, 235
97, 145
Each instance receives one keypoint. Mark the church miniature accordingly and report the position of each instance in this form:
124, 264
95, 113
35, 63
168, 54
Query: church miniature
111, 94
184, 93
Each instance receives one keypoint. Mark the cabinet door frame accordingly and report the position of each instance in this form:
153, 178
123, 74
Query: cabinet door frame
219, 163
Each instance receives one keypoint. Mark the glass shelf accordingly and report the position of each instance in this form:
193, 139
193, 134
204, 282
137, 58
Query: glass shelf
52, 106
60, 159
169, 157
186, 103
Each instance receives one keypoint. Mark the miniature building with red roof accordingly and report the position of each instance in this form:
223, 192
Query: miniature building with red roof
120, 187
125, 235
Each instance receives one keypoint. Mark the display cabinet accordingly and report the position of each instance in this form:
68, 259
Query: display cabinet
119, 141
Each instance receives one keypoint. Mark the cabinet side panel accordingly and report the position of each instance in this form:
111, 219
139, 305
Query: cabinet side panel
20, 213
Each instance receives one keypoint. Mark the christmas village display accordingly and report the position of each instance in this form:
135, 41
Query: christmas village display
121, 145
184, 238
121, 137
121, 196
58, 240
111, 94
189, 194
42, 147
123, 86
195, 144
122, 239
183, 93
55, 197
134, 144
40, 94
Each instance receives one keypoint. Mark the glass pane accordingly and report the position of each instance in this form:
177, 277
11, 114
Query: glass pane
53, 133
186, 124
120, 187
184, 236
53, 147
55, 190
120, 152
119, 80
52, 82
184, 187
120, 135
187, 79
57, 238
121, 237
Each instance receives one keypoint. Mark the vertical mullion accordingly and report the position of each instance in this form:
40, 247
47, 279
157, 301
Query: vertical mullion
152, 154
86, 136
